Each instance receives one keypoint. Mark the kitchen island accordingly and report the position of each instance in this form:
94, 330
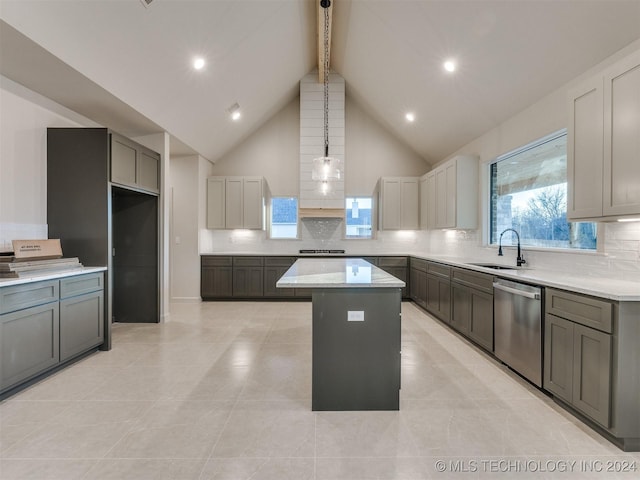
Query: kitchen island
356, 332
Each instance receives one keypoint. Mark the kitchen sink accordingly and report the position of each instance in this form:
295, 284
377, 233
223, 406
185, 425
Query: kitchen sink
494, 266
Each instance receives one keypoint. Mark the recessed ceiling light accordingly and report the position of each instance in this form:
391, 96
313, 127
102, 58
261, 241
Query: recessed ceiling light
234, 112
410, 117
198, 63
450, 66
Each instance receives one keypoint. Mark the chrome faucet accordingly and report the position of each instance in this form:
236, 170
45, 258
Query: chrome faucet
520, 259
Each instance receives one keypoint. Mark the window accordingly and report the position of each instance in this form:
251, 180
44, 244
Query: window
284, 217
529, 194
358, 217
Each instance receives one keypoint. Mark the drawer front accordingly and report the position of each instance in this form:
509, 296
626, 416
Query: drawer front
248, 261
216, 261
73, 286
392, 261
588, 311
419, 264
480, 281
279, 261
28, 295
439, 270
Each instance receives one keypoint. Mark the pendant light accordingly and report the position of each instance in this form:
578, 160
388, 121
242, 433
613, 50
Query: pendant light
326, 168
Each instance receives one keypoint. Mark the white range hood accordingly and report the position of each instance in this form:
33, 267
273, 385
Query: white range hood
318, 200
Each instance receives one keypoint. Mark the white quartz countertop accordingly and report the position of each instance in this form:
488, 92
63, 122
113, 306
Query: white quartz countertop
603, 287
7, 282
336, 273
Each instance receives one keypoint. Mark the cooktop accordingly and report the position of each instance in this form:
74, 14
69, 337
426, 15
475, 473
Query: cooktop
316, 251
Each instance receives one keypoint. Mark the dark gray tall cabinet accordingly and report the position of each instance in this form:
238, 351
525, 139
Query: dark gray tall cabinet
102, 200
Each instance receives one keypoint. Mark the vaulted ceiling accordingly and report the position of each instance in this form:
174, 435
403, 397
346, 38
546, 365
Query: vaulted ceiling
128, 66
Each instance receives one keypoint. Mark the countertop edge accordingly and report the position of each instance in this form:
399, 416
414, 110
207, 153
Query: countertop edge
537, 277
379, 278
7, 282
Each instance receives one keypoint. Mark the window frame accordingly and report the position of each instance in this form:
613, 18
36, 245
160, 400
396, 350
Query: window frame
487, 204
270, 218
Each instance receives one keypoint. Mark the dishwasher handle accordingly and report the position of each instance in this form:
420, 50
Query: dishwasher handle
515, 291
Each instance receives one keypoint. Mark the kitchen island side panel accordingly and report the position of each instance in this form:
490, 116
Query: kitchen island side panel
356, 364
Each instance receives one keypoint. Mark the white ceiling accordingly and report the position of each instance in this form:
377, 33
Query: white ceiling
136, 60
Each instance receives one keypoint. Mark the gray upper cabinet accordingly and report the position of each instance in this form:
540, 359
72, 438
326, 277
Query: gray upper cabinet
235, 202
603, 152
215, 202
123, 160
452, 194
424, 202
133, 165
621, 134
398, 203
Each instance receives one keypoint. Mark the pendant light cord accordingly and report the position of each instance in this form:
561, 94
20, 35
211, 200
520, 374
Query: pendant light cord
326, 78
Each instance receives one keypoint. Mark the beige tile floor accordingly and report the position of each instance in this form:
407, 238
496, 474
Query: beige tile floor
223, 391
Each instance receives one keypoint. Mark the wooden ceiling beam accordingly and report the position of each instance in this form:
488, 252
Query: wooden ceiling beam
321, 59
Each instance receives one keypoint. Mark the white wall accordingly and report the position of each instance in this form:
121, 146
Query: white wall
183, 236
273, 152
24, 119
187, 219
620, 243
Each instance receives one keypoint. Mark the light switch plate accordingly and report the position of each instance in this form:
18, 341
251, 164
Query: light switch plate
355, 315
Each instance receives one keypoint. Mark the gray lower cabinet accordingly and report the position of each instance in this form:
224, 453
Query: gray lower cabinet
305, 293
472, 306
216, 276
248, 275
81, 314
439, 297
254, 277
418, 281
439, 290
578, 358
558, 357
44, 324
29, 343
461, 308
81, 324
396, 266
274, 268
578, 367
592, 373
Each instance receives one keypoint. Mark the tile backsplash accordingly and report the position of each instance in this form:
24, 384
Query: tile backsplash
620, 258
324, 234
20, 231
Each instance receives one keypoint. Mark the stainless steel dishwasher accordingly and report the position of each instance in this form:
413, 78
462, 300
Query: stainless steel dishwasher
518, 327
